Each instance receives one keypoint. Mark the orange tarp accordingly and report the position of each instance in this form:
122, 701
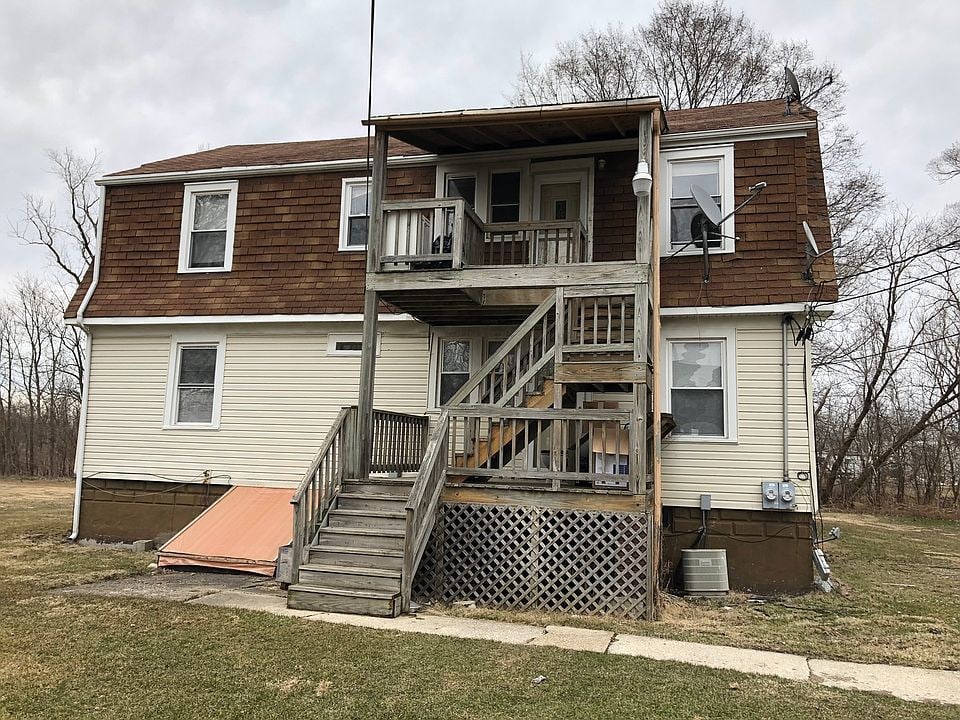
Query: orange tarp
243, 530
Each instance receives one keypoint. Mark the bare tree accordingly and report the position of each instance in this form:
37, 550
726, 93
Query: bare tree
697, 54
69, 240
946, 165
890, 383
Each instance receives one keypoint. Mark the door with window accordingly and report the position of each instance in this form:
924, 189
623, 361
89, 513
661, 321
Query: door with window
560, 198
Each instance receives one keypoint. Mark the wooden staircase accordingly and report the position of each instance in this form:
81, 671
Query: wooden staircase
355, 562
500, 444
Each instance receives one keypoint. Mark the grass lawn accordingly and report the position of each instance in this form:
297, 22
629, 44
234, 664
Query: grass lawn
75, 657
899, 602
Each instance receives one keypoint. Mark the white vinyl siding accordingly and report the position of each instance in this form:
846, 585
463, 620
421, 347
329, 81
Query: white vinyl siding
731, 472
281, 392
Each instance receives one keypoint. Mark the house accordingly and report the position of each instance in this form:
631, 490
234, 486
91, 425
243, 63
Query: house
501, 367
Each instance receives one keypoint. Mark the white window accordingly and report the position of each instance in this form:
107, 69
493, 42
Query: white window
712, 170
195, 382
700, 384
207, 226
354, 214
454, 368
348, 345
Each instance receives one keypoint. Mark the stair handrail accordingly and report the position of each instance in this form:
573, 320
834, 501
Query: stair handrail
321, 483
508, 346
422, 505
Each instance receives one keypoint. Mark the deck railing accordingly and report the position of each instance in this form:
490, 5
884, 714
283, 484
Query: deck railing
421, 507
598, 321
514, 368
442, 233
322, 482
541, 448
399, 441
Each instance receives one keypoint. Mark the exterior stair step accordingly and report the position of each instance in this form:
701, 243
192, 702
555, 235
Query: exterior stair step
357, 602
379, 486
374, 519
361, 538
350, 578
356, 557
371, 501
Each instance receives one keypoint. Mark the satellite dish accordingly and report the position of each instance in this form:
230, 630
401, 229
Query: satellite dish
697, 228
793, 84
706, 204
812, 248
813, 252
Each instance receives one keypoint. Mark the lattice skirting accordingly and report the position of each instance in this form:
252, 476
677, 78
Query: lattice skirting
577, 561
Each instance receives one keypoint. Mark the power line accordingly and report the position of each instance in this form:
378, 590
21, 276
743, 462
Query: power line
902, 347
907, 284
949, 246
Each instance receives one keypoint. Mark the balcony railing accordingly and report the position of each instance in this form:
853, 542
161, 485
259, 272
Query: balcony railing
446, 233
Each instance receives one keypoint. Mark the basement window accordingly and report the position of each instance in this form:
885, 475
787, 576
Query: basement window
712, 170
195, 383
207, 227
354, 214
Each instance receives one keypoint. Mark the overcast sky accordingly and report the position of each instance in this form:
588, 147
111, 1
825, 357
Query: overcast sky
144, 80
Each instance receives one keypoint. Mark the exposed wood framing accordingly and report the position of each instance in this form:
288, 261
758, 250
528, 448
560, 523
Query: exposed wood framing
510, 276
656, 515
368, 360
564, 499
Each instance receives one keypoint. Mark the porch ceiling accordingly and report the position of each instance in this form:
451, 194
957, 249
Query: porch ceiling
458, 131
454, 307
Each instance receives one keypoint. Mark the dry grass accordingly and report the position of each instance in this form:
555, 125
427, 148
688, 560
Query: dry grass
81, 657
899, 602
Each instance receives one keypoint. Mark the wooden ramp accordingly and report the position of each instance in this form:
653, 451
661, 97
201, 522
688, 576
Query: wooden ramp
243, 530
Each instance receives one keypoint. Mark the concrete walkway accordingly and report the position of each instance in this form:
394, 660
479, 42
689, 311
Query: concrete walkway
245, 593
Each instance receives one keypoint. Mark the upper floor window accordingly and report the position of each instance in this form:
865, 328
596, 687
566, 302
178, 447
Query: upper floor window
207, 227
354, 214
505, 197
712, 170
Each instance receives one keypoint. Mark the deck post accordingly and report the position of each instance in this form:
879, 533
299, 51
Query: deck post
371, 302
656, 504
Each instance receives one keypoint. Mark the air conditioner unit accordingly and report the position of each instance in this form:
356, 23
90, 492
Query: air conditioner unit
705, 572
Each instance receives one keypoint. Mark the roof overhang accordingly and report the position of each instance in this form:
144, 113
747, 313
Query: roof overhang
457, 131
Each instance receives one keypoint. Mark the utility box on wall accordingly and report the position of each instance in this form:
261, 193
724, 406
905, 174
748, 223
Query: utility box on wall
779, 495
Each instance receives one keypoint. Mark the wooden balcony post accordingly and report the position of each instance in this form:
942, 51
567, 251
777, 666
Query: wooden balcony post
368, 361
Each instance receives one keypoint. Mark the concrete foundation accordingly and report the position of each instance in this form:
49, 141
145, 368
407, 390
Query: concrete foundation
127, 511
767, 551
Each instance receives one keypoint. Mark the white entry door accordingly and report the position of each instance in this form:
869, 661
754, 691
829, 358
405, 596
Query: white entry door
560, 197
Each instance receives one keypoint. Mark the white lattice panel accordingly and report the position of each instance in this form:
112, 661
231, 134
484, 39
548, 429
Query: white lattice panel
577, 561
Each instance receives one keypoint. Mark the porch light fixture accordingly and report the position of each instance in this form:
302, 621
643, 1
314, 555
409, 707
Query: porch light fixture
642, 180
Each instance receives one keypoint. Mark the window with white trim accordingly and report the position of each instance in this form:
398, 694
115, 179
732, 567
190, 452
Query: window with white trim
195, 382
684, 223
354, 214
207, 226
454, 368
699, 397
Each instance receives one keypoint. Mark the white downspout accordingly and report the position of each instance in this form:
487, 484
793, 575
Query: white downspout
88, 351
786, 407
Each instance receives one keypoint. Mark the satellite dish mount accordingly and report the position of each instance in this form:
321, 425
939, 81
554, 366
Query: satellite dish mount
713, 217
